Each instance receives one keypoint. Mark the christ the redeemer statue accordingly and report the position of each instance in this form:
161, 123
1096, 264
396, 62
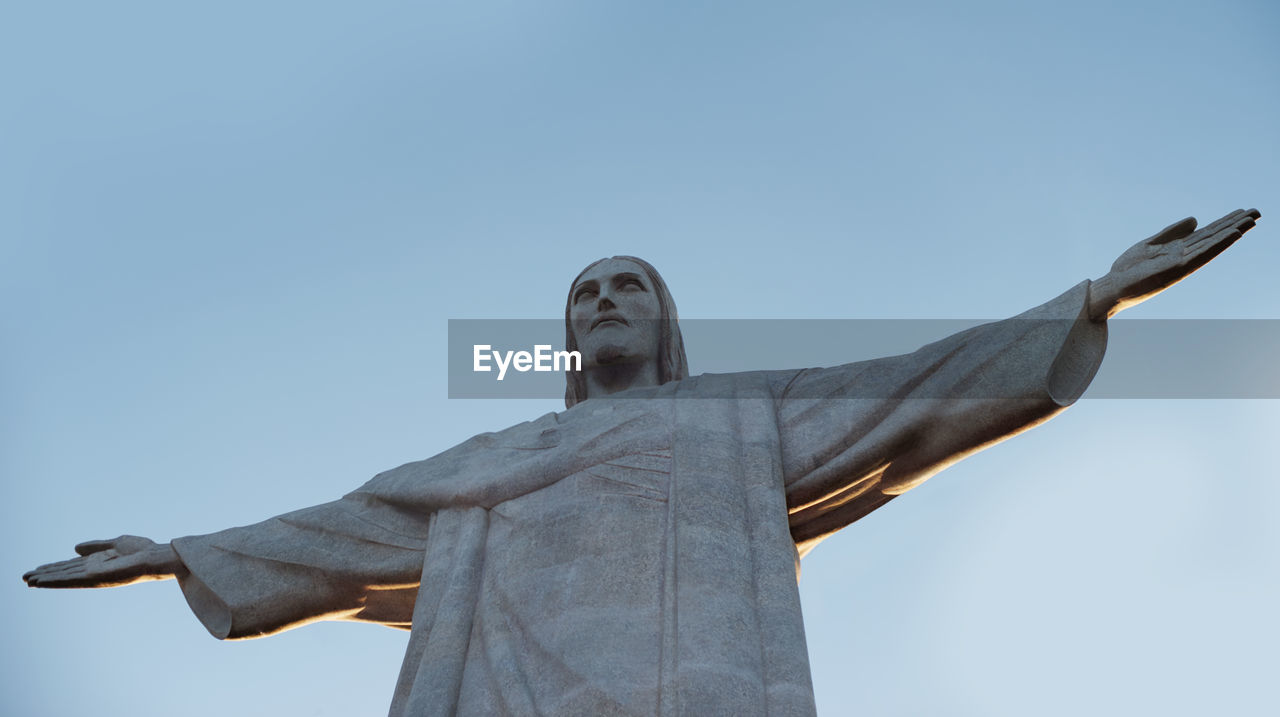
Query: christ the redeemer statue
639, 556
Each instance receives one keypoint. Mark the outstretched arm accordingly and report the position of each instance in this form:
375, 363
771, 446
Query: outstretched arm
350, 559
125, 560
1154, 264
855, 436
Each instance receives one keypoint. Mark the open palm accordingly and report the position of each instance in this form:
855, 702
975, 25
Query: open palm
124, 560
1162, 260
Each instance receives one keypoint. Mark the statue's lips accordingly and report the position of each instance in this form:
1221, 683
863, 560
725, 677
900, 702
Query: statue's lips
608, 319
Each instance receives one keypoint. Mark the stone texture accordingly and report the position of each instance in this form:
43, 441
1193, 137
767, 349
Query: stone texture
638, 552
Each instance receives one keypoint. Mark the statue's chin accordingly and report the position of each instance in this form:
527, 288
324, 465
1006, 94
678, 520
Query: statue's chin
610, 355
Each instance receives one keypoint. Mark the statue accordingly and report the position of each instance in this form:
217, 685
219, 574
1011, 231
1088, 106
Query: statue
633, 556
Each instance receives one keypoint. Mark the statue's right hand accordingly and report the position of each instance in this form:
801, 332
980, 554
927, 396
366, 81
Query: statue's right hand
125, 560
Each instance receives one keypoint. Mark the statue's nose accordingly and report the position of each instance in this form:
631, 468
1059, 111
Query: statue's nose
605, 304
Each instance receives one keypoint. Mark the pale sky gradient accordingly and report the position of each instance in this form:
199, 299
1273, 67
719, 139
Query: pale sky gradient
231, 237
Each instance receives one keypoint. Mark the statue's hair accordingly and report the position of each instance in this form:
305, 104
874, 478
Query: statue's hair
672, 364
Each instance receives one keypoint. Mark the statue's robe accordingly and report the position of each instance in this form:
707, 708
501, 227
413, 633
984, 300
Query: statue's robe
638, 554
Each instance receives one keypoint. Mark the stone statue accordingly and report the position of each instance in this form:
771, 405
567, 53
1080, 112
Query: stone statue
640, 556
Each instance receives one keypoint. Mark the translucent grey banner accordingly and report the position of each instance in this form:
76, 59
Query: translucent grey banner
1144, 358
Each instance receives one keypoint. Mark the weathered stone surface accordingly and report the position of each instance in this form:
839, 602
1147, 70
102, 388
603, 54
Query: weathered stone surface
637, 552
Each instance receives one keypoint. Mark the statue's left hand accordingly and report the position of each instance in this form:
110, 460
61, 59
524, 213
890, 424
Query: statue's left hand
124, 560
1154, 264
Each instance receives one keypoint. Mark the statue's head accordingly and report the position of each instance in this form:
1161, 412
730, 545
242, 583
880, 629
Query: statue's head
620, 312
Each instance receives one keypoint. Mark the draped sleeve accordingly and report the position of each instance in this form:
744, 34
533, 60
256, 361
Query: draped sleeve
855, 436
361, 557
351, 559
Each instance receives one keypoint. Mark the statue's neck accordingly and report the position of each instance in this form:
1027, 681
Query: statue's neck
605, 380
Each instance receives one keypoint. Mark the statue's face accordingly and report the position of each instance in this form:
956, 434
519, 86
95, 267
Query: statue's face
614, 314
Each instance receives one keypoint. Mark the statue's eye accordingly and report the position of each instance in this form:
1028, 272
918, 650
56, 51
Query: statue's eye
584, 295
633, 284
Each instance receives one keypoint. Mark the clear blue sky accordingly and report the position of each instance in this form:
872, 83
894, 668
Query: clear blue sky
231, 237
